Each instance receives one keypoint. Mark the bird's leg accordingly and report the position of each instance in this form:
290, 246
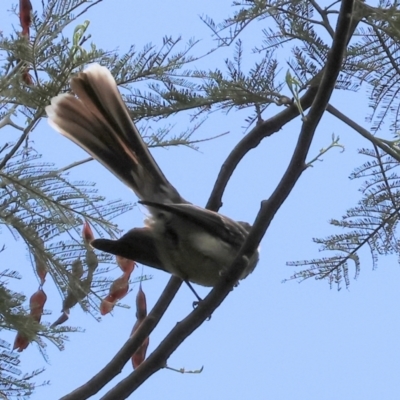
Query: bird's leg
199, 299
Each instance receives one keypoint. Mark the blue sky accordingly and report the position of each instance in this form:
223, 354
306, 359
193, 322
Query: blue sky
268, 340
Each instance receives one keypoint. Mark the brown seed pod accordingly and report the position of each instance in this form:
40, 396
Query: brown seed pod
25, 9
106, 306
140, 354
118, 289
125, 264
141, 312
63, 317
87, 233
41, 268
36, 304
77, 269
91, 260
26, 76
141, 305
21, 342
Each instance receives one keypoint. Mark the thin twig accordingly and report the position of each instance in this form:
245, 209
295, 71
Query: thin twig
324, 17
363, 132
7, 119
74, 164
22, 138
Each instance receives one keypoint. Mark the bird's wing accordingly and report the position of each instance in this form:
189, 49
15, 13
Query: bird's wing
217, 224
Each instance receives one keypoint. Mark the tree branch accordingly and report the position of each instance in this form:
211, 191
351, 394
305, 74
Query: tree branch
363, 132
251, 141
324, 17
75, 164
331, 71
114, 367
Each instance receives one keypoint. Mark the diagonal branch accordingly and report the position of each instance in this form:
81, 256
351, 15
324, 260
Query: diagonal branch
363, 132
331, 71
114, 367
22, 138
324, 16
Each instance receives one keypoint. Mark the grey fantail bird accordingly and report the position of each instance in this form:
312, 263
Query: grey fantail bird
191, 242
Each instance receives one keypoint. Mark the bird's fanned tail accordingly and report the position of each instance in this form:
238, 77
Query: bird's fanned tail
98, 121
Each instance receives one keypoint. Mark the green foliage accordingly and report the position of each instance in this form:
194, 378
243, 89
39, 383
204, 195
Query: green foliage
372, 223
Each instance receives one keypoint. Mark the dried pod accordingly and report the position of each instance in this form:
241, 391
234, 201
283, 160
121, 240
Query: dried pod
70, 301
26, 76
106, 305
41, 268
140, 354
125, 264
118, 289
21, 342
36, 304
77, 269
87, 233
141, 305
63, 317
91, 260
25, 9
141, 312
77, 291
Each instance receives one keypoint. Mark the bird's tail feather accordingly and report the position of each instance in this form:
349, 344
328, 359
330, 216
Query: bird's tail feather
98, 121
